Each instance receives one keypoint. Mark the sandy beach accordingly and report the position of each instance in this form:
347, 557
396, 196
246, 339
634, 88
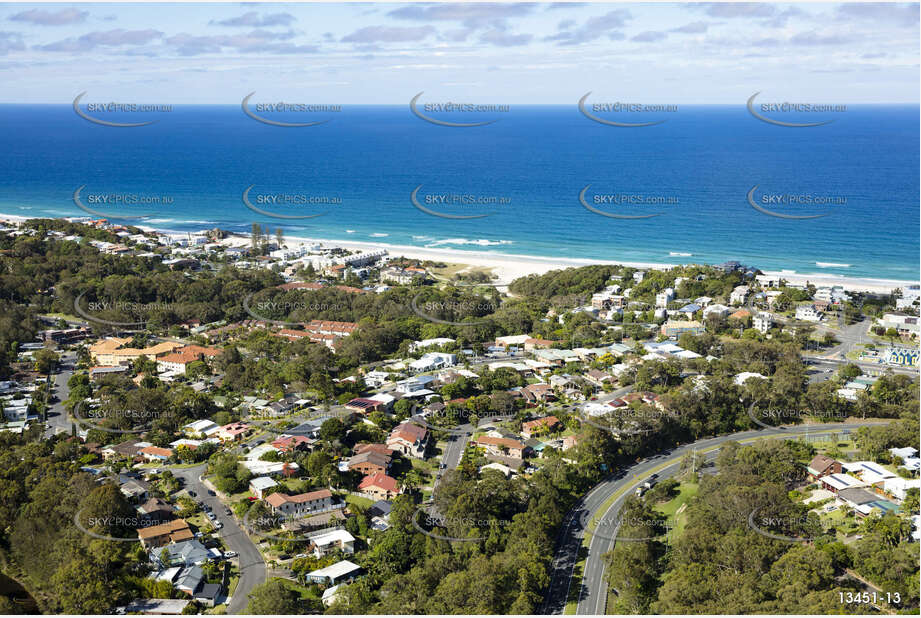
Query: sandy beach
507, 267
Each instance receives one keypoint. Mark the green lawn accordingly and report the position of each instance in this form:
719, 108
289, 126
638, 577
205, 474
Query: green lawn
359, 502
676, 520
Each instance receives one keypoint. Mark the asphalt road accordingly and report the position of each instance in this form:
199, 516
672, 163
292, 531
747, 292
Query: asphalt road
593, 588
57, 420
252, 567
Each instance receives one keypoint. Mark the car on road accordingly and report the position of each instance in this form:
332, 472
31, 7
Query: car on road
192, 493
218, 525
227, 511
230, 554
211, 493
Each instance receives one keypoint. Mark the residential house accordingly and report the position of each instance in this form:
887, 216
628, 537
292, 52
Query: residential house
822, 465
332, 540
409, 439
156, 511
720, 311
369, 462
808, 313
286, 442
343, 571
163, 534
539, 426
300, 504
738, 295
260, 486
836, 482
505, 447
674, 328
379, 486
233, 432
155, 453
201, 429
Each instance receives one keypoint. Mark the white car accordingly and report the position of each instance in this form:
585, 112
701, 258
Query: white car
230, 554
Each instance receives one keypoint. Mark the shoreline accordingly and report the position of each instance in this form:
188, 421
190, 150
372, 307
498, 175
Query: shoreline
509, 266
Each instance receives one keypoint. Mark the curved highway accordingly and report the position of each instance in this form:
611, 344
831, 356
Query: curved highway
592, 594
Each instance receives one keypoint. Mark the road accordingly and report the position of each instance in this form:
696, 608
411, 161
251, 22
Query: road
252, 566
593, 588
57, 420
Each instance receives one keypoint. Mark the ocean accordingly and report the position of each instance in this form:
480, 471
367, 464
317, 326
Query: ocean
524, 172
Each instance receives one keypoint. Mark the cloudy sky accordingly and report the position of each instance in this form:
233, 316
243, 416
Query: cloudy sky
353, 53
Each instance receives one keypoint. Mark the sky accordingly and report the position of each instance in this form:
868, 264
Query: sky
507, 53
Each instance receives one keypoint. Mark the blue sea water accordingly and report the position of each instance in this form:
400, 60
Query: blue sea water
702, 161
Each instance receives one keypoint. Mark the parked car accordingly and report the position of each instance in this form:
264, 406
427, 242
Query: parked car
192, 493
230, 554
301, 556
211, 493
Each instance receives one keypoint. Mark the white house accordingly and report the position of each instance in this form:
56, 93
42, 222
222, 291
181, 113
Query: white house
717, 309
260, 485
427, 343
329, 541
763, 321
202, 428
738, 295
808, 313
664, 297
432, 361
